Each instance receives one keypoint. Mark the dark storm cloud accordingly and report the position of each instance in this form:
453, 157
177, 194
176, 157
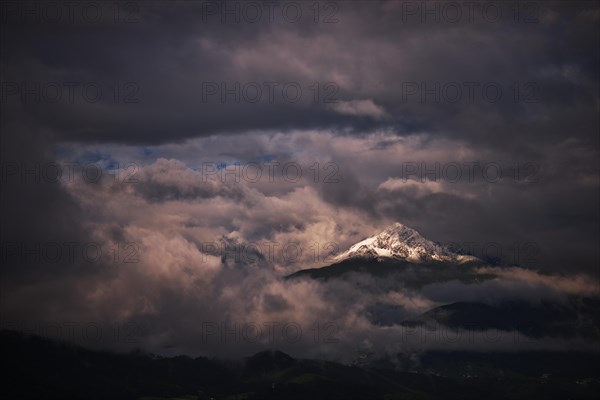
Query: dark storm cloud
173, 49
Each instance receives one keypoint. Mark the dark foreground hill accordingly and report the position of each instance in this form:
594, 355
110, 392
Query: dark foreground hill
38, 368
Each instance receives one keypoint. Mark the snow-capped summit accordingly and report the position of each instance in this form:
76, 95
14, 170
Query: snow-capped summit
401, 242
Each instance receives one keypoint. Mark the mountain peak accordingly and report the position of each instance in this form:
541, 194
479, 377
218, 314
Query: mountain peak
401, 230
398, 241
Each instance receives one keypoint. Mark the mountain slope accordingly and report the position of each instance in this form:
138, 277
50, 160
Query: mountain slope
576, 317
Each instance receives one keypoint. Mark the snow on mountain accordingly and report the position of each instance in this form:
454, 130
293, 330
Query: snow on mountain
401, 242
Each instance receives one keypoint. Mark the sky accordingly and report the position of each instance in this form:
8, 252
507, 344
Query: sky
165, 164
